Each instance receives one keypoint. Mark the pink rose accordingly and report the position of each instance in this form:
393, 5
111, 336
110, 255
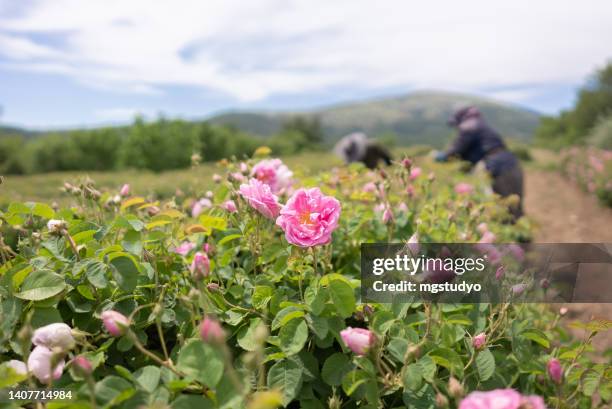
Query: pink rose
487, 237
260, 197
413, 244
482, 228
387, 216
402, 208
370, 187
479, 341
555, 370
499, 273
82, 365
518, 289
217, 178
309, 218
200, 266
415, 173
273, 173
40, 364
230, 206
115, 323
410, 190
517, 252
211, 331
57, 335
495, 399
125, 190
199, 206
237, 177
184, 248
358, 340
464, 188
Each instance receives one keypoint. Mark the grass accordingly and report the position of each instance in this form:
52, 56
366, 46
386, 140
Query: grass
46, 187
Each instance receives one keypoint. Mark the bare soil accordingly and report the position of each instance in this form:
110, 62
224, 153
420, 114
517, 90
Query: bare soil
565, 214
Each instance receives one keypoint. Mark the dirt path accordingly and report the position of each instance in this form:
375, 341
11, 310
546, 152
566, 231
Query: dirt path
565, 214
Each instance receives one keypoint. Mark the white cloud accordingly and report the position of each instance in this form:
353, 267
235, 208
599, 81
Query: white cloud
119, 114
253, 50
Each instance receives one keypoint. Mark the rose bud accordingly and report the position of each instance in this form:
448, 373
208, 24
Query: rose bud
518, 289
200, 266
230, 206
56, 226
115, 323
211, 331
441, 401
82, 365
479, 341
217, 178
387, 216
555, 370
212, 287
125, 190
455, 389
545, 283
358, 340
406, 163
57, 335
499, 273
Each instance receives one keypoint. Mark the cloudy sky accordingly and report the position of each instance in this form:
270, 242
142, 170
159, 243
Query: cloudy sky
76, 62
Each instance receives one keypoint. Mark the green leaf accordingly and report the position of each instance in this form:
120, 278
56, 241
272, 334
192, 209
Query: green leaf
246, 335
537, 336
342, 297
485, 362
428, 368
261, 296
286, 375
191, 402
125, 271
201, 362
334, 369
43, 210
40, 285
96, 273
590, 382
293, 336
148, 377
413, 378
113, 390
397, 347
449, 359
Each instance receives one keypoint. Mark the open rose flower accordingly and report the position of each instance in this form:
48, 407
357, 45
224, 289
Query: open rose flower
184, 248
274, 173
45, 365
309, 218
115, 323
464, 188
260, 197
415, 173
358, 340
57, 335
501, 399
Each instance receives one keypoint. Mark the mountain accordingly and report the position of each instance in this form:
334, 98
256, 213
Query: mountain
418, 117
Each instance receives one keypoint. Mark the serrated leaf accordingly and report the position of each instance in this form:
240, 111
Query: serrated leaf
40, 285
485, 363
286, 375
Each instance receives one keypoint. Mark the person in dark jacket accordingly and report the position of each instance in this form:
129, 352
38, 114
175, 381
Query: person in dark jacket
478, 141
356, 147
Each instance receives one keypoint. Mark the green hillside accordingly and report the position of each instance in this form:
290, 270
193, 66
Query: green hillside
414, 118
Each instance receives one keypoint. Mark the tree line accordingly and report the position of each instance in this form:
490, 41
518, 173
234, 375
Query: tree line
159, 145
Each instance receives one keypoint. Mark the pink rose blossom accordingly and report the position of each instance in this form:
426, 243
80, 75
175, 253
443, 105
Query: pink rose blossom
402, 208
410, 190
464, 188
125, 190
497, 399
415, 173
406, 163
358, 340
517, 252
482, 228
369, 187
499, 273
115, 323
413, 244
40, 364
83, 365
479, 341
487, 237
309, 218
387, 216
57, 335
211, 331
200, 266
230, 206
555, 370
274, 173
260, 197
518, 289
237, 177
19, 367
200, 206
244, 168
184, 248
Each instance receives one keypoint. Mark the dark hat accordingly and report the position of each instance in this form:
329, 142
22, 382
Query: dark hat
462, 114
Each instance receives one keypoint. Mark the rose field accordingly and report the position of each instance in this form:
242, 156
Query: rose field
238, 286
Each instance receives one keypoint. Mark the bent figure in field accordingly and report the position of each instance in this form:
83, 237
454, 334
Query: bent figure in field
356, 147
478, 141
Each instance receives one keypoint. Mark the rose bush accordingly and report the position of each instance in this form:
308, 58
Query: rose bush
133, 303
591, 169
